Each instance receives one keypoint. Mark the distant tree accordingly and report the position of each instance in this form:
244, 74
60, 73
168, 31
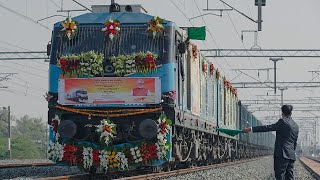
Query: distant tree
34, 128
3, 148
3, 123
24, 148
33, 131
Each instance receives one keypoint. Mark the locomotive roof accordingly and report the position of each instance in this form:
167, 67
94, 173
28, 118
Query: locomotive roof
123, 17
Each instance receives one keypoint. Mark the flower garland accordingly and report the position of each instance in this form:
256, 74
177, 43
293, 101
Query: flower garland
55, 122
123, 64
87, 157
91, 64
218, 74
107, 131
148, 152
112, 28
104, 160
71, 27
156, 27
136, 154
194, 51
123, 161
204, 67
234, 91
86, 64
145, 62
55, 151
140, 62
69, 66
115, 159
211, 69
107, 113
69, 154
163, 129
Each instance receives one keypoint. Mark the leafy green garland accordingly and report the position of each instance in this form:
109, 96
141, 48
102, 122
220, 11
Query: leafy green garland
86, 64
140, 62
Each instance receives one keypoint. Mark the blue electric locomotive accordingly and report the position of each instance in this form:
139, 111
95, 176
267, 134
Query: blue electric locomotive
148, 97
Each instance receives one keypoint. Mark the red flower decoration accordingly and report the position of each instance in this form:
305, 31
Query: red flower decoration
95, 157
69, 66
194, 51
163, 126
218, 74
70, 154
55, 124
204, 67
211, 69
148, 152
112, 28
145, 62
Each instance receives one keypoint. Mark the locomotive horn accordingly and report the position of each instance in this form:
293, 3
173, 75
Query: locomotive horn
148, 129
67, 129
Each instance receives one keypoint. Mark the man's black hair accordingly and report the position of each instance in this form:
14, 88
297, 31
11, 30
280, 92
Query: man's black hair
286, 110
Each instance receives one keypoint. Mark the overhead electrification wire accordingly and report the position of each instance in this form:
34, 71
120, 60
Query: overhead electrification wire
204, 21
36, 75
23, 16
23, 49
55, 4
193, 26
24, 65
234, 27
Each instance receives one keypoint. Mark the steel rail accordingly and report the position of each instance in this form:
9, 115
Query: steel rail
152, 175
310, 166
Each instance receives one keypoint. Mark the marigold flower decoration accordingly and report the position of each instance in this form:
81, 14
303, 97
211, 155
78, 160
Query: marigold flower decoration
71, 27
156, 27
112, 28
107, 130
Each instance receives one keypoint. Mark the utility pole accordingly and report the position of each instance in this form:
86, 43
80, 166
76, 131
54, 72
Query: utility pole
275, 60
282, 89
112, 1
9, 132
260, 3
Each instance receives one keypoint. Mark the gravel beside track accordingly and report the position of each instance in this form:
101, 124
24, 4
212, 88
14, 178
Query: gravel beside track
34, 172
259, 169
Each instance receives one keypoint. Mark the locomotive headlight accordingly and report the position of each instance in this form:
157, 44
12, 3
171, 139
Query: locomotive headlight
67, 129
148, 129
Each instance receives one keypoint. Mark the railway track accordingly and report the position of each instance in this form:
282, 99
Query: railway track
312, 165
122, 176
17, 165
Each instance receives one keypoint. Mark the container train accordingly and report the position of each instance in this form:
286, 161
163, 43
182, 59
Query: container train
116, 50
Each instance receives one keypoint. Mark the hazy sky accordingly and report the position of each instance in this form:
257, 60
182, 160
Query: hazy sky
286, 24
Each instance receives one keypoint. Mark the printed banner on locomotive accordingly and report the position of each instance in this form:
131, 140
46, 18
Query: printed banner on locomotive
90, 91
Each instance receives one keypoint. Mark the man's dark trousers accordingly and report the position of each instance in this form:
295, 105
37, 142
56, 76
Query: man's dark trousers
283, 168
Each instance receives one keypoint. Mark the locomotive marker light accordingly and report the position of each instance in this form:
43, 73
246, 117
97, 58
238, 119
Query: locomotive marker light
71, 129
67, 129
148, 129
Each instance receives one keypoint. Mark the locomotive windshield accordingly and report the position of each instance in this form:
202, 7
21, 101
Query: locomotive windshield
133, 39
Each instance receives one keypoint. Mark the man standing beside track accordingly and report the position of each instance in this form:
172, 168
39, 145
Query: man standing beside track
286, 142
